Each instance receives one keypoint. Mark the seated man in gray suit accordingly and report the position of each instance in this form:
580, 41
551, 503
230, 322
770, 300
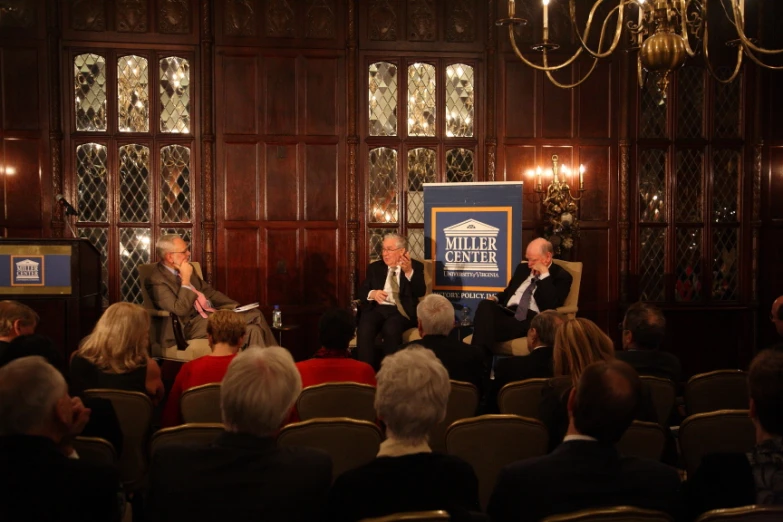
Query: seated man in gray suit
175, 287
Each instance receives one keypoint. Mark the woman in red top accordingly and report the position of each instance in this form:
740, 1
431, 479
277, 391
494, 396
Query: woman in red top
225, 333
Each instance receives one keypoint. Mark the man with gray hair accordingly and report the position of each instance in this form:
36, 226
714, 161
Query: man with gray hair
436, 321
16, 319
243, 475
175, 287
39, 481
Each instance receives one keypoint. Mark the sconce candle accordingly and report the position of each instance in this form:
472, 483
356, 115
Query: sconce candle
581, 177
512, 8
546, 20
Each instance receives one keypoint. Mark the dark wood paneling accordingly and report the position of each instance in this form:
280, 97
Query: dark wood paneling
594, 293
321, 267
776, 183
321, 82
240, 104
283, 277
23, 189
321, 182
281, 92
596, 198
238, 262
595, 107
557, 109
21, 104
282, 183
241, 181
519, 159
520, 100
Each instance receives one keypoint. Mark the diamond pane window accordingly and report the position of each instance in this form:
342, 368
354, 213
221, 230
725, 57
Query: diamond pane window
185, 233
459, 100
688, 283
725, 185
92, 181
728, 106
416, 243
99, 237
134, 250
651, 265
175, 184
690, 102
421, 99
134, 184
89, 74
133, 100
724, 264
689, 178
652, 186
175, 95
376, 242
383, 185
652, 119
382, 108
421, 169
459, 165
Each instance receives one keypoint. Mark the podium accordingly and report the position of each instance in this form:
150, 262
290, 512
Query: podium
58, 278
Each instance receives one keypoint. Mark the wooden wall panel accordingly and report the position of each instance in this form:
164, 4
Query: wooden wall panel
320, 172
283, 272
519, 103
241, 181
557, 109
776, 183
281, 93
320, 268
596, 198
321, 82
241, 106
594, 102
20, 88
282, 183
241, 279
595, 291
22, 176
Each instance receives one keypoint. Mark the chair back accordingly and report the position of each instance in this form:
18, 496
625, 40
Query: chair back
337, 399
718, 390
350, 442
490, 442
429, 269
663, 393
521, 397
134, 412
724, 431
744, 514
414, 516
572, 300
196, 434
201, 404
612, 514
95, 450
645, 440
463, 403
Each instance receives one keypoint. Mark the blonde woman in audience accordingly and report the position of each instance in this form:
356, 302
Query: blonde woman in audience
116, 354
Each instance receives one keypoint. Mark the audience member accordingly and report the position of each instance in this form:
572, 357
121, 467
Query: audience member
644, 328
15, 319
776, 316
116, 354
436, 321
244, 476
413, 390
39, 481
225, 334
731, 480
586, 470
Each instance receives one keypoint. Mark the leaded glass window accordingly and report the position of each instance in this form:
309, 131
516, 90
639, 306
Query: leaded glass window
652, 264
421, 99
652, 186
133, 101
459, 165
89, 75
93, 182
421, 169
383, 185
175, 184
459, 100
135, 246
175, 95
382, 109
134, 184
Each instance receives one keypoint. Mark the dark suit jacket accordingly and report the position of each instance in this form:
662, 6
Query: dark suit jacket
723, 480
549, 293
464, 362
239, 478
537, 364
653, 362
410, 291
580, 475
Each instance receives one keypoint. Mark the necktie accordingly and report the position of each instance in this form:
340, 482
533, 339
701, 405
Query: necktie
524, 301
201, 304
396, 291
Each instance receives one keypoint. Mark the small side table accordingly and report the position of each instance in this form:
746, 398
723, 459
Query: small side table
284, 328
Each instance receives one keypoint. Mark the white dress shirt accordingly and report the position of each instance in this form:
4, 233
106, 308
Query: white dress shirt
387, 286
521, 290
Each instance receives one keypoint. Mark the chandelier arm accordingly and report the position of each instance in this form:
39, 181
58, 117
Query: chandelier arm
570, 85
755, 59
639, 71
534, 65
707, 62
739, 24
684, 27
618, 29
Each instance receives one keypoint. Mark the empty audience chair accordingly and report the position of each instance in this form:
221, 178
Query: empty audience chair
95, 450
744, 514
612, 514
134, 412
200, 434
336, 400
663, 393
350, 442
201, 404
521, 398
416, 516
643, 439
490, 442
718, 390
463, 403
725, 431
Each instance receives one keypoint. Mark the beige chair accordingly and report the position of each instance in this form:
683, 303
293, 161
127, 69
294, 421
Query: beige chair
95, 450
521, 398
134, 412
611, 514
463, 403
414, 516
337, 399
196, 434
570, 308
643, 439
718, 390
490, 442
724, 431
201, 404
351, 443
162, 324
744, 514
664, 394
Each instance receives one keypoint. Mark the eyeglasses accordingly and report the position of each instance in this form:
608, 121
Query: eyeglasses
390, 250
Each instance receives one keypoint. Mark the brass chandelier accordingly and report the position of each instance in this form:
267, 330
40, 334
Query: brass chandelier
662, 32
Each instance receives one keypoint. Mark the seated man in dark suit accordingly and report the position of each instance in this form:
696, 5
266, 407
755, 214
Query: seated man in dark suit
537, 285
436, 320
586, 471
39, 481
175, 287
244, 476
776, 316
389, 295
731, 480
644, 328
15, 319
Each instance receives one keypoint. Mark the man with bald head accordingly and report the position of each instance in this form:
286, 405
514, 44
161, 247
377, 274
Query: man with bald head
537, 285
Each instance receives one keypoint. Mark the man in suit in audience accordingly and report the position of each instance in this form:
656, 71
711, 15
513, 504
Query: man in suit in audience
644, 328
436, 321
776, 316
243, 476
389, 296
37, 422
15, 319
537, 285
586, 471
175, 287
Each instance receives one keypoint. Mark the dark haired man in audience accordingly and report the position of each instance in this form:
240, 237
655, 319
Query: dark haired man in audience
644, 328
732, 480
38, 480
586, 470
776, 316
15, 319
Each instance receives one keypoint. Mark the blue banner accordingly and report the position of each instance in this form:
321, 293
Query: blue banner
35, 270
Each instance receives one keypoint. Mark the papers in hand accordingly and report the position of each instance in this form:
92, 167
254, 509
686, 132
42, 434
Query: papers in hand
246, 307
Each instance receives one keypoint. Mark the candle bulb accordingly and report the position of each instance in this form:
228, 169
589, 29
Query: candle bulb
641, 21
539, 185
546, 20
742, 10
512, 8
581, 177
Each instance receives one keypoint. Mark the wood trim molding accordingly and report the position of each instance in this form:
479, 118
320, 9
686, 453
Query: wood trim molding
207, 139
491, 142
55, 119
353, 148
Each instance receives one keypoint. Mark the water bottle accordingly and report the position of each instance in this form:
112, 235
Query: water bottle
277, 317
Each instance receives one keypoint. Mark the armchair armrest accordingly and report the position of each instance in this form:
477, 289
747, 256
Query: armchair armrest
157, 313
567, 310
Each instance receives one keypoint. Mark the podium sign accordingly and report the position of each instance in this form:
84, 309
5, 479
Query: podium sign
35, 269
